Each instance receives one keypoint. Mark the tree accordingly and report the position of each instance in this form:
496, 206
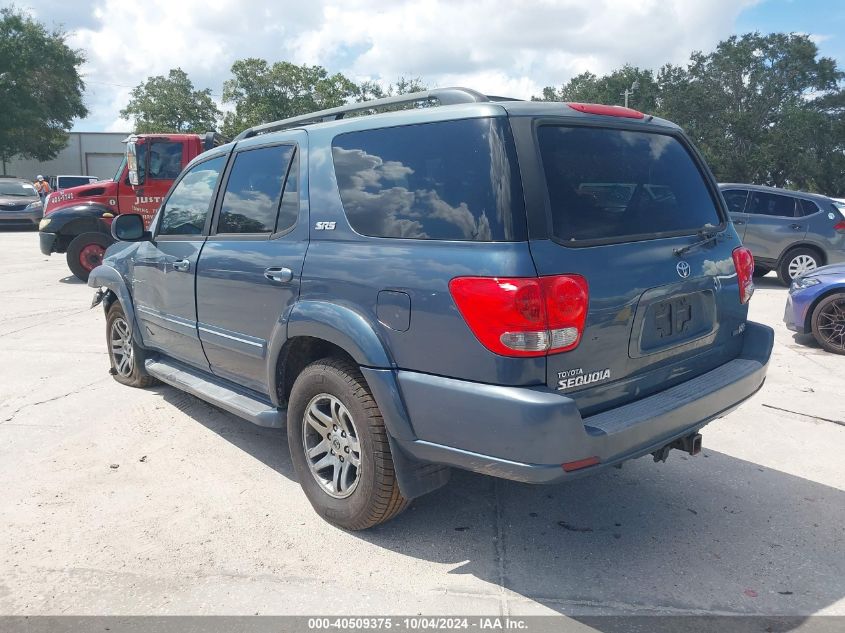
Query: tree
610, 89
753, 107
369, 90
762, 109
40, 88
170, 104
261, 92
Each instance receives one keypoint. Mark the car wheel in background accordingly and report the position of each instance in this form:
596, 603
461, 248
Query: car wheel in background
797, 262
85, 252
339, 447
828, 323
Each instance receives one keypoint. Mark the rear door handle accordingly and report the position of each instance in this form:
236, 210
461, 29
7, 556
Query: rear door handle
797, 227
278, 275
182, 265
739, 222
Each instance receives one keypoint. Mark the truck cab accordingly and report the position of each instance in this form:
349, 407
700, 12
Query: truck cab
77, 221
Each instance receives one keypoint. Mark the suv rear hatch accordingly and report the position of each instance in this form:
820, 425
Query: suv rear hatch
621, 202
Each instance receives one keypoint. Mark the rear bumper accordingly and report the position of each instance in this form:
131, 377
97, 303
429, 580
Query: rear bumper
526, 434
47, 242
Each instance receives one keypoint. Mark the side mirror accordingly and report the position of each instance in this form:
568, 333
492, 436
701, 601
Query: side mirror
129, 227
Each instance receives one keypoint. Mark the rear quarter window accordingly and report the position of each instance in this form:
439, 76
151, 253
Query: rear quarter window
617, 185
452, 180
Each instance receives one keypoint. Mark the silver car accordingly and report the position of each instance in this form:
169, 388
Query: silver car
790, 232
20, 205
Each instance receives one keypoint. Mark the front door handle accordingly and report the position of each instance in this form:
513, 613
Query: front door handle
182, 265
278, 275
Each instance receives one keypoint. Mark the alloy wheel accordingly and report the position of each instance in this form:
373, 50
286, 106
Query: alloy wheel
831, 324
801, 264
120, 346
332, 449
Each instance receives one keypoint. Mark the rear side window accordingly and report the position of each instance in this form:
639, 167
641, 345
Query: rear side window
772, 204
808, 207
736, 199
616, 185
452, 180
254, 189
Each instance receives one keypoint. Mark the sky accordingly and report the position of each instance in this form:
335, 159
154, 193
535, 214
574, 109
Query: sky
497, 47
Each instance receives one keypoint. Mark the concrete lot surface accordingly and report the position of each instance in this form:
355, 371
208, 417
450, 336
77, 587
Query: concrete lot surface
121, 501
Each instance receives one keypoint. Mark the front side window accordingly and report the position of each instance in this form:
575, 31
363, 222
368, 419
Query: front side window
254, 189
772, 204
736, 199
165, 160
451, 180
615, 185
186, 210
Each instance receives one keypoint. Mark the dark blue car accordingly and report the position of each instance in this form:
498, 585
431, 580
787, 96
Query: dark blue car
816, 305
535, 291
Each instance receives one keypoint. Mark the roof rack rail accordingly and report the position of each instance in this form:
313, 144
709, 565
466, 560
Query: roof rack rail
446, 96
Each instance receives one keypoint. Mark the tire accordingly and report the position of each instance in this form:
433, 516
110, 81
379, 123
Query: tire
127, 372
828, 323
796, 262
761, 271
85, 252
332, 409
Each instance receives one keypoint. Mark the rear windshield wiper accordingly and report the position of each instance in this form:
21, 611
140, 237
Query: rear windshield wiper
706, 236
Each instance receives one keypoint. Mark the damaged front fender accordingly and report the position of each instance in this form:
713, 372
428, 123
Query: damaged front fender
111, 287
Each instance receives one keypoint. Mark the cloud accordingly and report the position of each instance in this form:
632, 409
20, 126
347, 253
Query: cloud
499, 47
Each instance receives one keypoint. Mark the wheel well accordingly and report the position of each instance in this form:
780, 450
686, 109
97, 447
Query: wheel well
812, 247
297, 354
808, 320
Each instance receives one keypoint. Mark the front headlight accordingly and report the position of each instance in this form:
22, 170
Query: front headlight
805, 282
44, 224
32, 206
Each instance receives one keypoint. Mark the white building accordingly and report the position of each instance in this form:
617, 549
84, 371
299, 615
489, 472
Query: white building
87, 154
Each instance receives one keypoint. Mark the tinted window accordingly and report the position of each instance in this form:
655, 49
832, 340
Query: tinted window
772, 204
66, 182
736, 199
808, 207
455, 180
187, 207
165, 160
289, 209
615, 185
253, 191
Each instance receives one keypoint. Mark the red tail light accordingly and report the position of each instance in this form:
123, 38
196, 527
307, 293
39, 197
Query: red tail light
744, 264
839, 227
523, 316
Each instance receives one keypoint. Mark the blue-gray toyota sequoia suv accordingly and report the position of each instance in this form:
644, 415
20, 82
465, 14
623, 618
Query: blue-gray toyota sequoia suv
534, 291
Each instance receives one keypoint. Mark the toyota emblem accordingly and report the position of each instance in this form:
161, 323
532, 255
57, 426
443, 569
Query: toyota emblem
683, 269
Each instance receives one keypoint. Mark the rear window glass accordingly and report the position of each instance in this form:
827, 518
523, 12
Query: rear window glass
613, 185
452, 180
808, 207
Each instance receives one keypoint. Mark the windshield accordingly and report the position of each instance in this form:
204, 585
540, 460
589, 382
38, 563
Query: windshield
119, 170
615, 185
16, 188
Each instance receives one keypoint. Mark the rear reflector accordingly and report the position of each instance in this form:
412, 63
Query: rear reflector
581, 463
523, 316
744, 264
606, 110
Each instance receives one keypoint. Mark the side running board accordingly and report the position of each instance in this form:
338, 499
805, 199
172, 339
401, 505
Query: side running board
216, 392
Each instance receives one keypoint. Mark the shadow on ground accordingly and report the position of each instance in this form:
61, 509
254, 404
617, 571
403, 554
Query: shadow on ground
707, 534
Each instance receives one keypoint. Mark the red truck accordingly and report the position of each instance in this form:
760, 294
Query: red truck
77, 221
